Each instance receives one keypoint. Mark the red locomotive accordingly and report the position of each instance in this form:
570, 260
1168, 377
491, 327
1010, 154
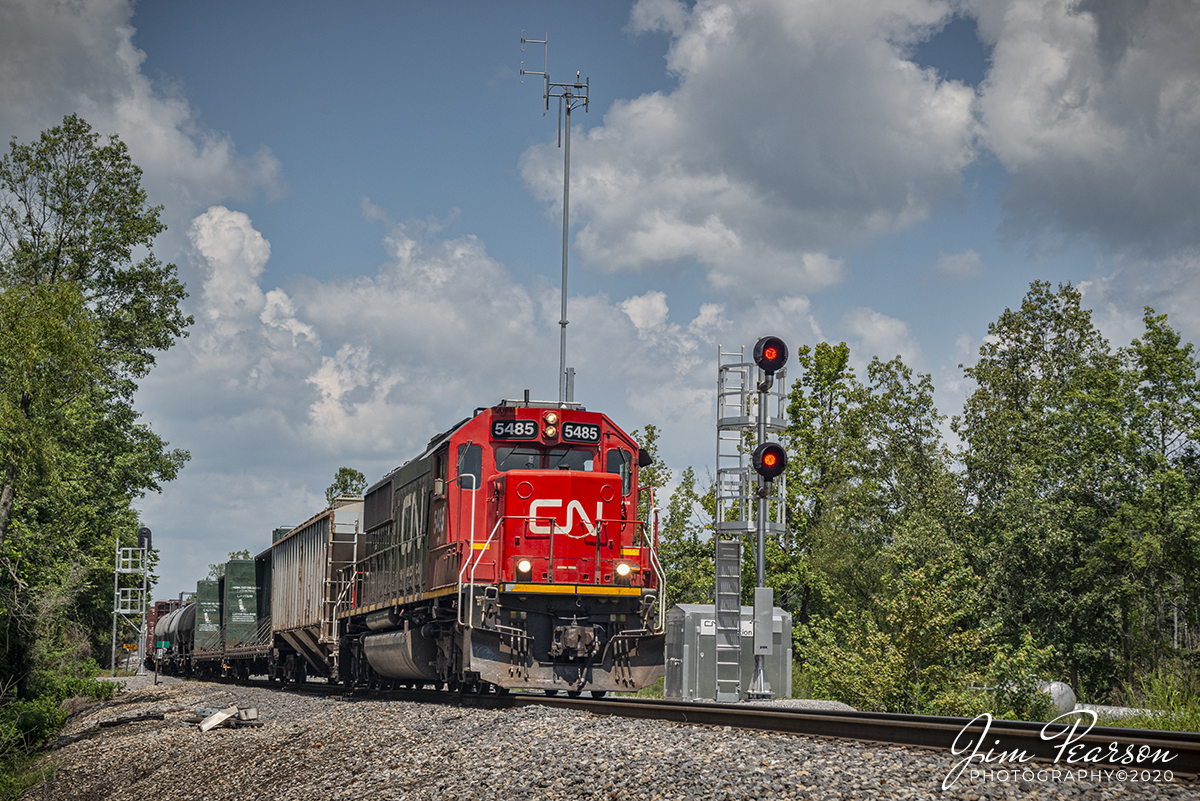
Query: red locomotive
509, 555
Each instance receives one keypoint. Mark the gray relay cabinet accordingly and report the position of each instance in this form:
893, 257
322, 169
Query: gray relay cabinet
692, 653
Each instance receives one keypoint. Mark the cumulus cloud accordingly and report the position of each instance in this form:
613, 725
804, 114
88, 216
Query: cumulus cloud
290, 381
1093, 108
882, 336
60, 58
795, 128
1170, 285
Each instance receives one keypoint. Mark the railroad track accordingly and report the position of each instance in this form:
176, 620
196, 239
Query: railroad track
979, 744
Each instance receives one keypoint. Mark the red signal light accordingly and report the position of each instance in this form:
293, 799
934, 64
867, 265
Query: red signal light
770, 354
769, 460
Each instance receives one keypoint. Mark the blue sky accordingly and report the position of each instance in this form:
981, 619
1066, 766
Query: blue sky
363, 200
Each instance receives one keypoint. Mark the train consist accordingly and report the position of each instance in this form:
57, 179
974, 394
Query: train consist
508, 555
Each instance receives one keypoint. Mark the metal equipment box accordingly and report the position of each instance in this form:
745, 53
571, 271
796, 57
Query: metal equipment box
692, 653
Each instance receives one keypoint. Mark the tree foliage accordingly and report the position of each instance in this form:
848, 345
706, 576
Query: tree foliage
85, 308
685, 546
218, 570
1043, 434
347, 481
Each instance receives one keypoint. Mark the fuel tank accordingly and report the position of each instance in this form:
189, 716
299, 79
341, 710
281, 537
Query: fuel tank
404, 655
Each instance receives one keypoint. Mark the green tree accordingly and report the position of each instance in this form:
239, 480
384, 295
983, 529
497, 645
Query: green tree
654, 476
823, 438
685, 546
47, 338
347, 481
1152, 541
867, 456
73, 212
1043, 433
218, 570
887, 613
84, 309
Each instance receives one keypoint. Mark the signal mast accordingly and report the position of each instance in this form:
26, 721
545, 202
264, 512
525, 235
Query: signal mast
769, 461
749, 500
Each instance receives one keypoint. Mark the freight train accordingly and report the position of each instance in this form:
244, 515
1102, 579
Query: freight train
508, 555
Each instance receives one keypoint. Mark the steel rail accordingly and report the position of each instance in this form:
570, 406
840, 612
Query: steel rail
962, 736
1039, 742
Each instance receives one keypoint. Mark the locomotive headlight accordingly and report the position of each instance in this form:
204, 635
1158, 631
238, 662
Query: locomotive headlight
623, 569
524, 566
551, 431
551, 418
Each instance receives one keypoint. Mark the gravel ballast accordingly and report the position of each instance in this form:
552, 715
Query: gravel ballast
312, 747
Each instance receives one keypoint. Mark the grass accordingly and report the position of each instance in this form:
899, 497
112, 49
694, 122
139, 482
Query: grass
653, 691
1171, 694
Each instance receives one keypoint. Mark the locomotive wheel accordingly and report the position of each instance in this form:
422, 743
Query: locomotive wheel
599, 693
574, 693
551, 693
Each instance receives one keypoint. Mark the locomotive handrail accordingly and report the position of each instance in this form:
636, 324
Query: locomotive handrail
660, 623
467, 563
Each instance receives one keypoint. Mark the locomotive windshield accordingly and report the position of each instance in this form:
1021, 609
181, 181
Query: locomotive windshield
526, 457
570, 459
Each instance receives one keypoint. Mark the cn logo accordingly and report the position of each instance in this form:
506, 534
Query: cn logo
537, 517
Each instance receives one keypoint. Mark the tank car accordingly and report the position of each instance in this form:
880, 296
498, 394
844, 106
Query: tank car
507, 555
174, 638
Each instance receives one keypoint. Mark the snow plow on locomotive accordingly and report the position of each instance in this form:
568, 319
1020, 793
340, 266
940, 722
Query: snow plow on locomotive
508, 555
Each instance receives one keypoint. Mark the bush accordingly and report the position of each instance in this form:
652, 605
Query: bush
1015, 676
29, 723
852, 661
25, 725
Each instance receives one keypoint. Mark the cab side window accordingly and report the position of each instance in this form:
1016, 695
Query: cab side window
470, 466
620, 461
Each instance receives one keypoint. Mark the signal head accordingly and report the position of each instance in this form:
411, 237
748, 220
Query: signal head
770, 354
769, 460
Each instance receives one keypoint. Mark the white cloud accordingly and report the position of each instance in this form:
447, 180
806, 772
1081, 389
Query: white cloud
882, 336
647, 311
796, 127
1093, 108
60, 58
1169, 285
440, 329
236, 255
967, 264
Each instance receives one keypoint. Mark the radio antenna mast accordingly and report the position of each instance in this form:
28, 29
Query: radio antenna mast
570, 96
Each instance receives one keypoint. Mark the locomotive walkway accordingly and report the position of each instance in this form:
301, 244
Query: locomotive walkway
314, 746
